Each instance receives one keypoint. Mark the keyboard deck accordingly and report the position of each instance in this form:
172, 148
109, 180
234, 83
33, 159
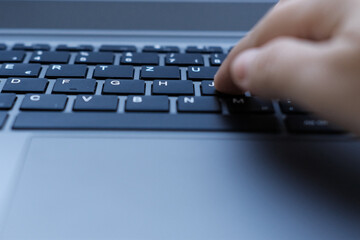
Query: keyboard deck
125, 87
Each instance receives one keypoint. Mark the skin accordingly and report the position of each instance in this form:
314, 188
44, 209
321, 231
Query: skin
305, 50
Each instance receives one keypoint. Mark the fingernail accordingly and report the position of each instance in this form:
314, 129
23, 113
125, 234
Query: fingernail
241, 64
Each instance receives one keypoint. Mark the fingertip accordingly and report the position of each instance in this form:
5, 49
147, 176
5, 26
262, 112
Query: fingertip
240, 68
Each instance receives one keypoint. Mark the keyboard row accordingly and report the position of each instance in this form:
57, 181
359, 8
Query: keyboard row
93, 58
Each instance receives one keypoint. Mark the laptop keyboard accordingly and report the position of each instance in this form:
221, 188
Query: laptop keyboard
125, 87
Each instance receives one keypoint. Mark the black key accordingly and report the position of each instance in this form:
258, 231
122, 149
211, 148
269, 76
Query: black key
94, 58
20, 70
202, 73
7, 101
145, 121
31, 47
25, 85
11, 56
161, 49
50, 57
2, 47
288, 107
217, 59
122, 72
249, 105
173, 87
80, 48
44, 102
3, 117
309, 124
212, 49
147, 104
117, 48
150, 72
140, 59
75, 86
124, 87
96, 103
184, 59
208, 88
198, 104
66, 71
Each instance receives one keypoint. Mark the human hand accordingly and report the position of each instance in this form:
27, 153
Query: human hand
304, 50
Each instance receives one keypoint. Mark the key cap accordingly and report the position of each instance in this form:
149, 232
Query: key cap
66, 71
122, 72
3, 117
309, 124
80, 48
184, 59
249, 105
25, 85
202, 73
7, 101
288, 107
50, 57
147, 104
173, 87
217, 59
161, 49
198, 104
31, 47
140, 59
20, 70
117, 48
44, 102
94, 58
75, 86
212, 49
145, 121
112, 86
208, 88
11, 56
2, 47
150, 72
96, 103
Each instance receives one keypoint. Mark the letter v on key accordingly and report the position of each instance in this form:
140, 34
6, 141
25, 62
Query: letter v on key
87, 98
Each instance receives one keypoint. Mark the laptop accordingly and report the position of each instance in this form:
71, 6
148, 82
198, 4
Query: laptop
111, 128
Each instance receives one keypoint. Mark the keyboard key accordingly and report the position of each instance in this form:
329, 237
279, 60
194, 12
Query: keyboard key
124, 87
147, 104
173, 87
123, 72
202, 73
25, 85
31, 47
3, 117
184, 59
20, 70
66, 71
288, 107
80, 48
117, 48
96, 103
75, 86
309, 124
7, 101
150, 72
44, 102
194, 49
94, 58
249, 105
50, 57
2, 47
198, 104
208, 88
140, 59
11, 56
217, 59
161, 49
145, 121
